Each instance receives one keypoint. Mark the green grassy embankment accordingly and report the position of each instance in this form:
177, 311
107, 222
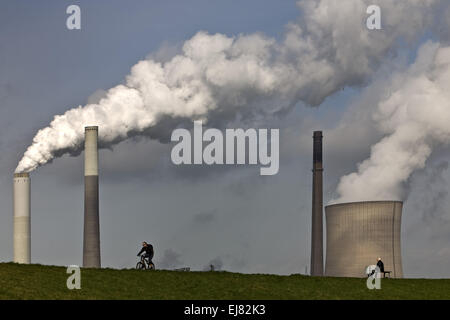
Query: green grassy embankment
49, 282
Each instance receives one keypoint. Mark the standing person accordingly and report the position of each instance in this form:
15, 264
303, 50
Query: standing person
380, 265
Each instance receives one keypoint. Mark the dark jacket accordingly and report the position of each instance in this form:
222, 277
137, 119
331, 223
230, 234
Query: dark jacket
148, 250
380, 265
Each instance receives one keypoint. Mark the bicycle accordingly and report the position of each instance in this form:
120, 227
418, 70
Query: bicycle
145, 264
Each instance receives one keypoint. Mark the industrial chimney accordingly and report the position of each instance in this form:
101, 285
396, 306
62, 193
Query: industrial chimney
317, 208
91, 241
22, 218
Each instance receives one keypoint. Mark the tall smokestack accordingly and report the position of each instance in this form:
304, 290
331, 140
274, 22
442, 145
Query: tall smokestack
91, 242
22, 218
317, 208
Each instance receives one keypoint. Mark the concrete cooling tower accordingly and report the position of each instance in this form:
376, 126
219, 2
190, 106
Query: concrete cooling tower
360, 232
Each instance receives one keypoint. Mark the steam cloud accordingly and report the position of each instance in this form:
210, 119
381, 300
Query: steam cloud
415, 118
218, 78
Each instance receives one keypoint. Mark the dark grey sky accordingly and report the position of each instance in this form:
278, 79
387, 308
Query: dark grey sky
232, 217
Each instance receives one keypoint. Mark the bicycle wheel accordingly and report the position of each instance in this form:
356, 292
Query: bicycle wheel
140, 266
151, 266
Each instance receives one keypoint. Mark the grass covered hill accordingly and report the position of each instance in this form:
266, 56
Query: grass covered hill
49, 282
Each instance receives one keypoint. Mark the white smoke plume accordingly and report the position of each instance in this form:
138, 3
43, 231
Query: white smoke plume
218, 78
415, 117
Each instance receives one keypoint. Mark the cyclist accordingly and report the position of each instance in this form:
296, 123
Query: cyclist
147, 248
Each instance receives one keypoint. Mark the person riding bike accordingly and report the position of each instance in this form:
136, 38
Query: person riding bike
148, 252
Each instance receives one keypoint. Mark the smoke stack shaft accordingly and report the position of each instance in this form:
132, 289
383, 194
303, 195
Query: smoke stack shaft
91, 241
22, 218
317, 207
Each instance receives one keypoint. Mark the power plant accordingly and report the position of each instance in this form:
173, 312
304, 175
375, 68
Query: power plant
22, 208
356, 233
360, 232
22, 217
317, 207
91, 235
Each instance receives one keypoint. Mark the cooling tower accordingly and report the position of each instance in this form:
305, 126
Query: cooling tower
360, 232
22, 218
91, 240
317, 207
